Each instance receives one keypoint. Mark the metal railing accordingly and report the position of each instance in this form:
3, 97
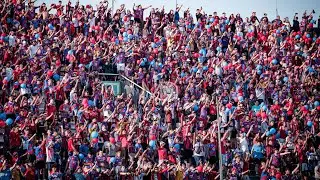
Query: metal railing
126, 86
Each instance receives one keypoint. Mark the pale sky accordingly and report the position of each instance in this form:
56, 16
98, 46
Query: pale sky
286, 8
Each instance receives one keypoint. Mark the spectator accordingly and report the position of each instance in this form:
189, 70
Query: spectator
182, 80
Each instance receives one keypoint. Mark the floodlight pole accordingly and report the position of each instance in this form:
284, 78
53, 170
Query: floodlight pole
219, 140
112, 6
277, 7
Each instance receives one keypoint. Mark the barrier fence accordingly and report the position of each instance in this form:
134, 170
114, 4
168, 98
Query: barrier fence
126, 86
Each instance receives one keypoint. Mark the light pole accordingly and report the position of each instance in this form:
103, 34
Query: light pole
277, 7
112, 6
219, 140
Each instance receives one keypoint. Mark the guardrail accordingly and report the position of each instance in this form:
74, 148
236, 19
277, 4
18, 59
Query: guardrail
125, 85
137, 85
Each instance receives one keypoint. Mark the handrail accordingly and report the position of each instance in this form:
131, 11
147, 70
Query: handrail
108, 74
111, 74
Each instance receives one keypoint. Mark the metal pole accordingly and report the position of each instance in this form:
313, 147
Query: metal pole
277, 7
219, 140
112, 6
136, 84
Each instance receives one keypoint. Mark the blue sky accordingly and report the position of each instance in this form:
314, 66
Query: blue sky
286, 8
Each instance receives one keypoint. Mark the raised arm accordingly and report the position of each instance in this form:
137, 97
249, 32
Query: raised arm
43, 141
206, 136
147, 7
296, 169
32, 137
225, 136
179, 8
12, 167
248, 133
4, 7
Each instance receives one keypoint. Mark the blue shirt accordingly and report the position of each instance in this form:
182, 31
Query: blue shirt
84, 149
55, 176
65, 52
36, 23
57, 147
39, 153
5, 174
79, 176
176, 16
264, 173
225, 41
257, 151
257, 148
255, 108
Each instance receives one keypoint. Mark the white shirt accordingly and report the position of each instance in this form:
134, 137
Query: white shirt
111, 148
24, 91
25, 143
12, 41
9, 72
92, 21
107, 113
201, 151
75, 22
33, 50
50, 153
244, 144
260, 93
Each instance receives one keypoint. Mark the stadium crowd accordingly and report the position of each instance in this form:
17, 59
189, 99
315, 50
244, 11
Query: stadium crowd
256, 79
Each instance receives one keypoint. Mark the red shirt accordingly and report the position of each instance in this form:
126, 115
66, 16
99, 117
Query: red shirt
185, 130
9, 108
94, 114
51, 110
212, 110
59, 93
245, 166
223, 148
168, 117
6, 56
174, 76
59, 9
294, 126
290, 108
275, 108
15, 140
16, 73
205, 84
187, 143
283, 134
70, 144
65, 107
269, 150
30, 174
124, 141
172, 159
301, 153
162, 152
